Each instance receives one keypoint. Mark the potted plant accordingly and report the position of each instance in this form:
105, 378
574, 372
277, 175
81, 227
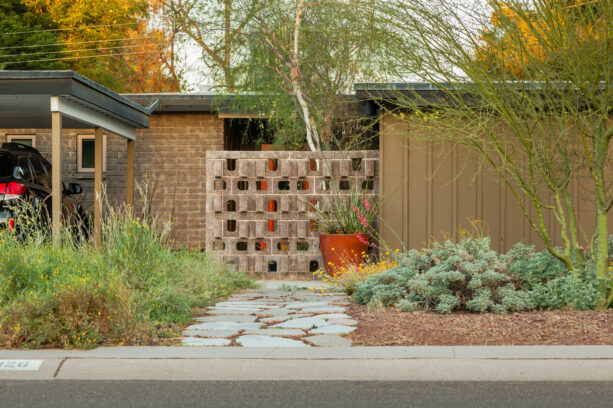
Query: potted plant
345, 228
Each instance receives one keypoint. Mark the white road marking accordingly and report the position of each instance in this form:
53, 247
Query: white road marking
20, 365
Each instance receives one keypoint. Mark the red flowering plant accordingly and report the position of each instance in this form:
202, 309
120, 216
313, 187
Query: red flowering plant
353, 212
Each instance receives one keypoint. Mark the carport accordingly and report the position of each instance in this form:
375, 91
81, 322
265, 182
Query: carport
57, 99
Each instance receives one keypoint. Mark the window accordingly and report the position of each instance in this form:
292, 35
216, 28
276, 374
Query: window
28, 140
25, 170
40, 172
85, 153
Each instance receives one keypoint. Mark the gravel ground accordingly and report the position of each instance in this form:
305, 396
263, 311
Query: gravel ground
391, 327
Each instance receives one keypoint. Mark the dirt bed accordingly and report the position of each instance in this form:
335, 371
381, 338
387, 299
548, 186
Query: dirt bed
390, 327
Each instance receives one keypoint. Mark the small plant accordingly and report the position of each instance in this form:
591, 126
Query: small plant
348, 276
350, 213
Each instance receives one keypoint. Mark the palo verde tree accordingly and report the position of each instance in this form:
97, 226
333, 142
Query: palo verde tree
526, 85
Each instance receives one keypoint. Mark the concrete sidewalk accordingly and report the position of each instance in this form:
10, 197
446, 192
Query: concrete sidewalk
457, 363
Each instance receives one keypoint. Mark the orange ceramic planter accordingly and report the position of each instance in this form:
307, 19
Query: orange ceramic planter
341, 249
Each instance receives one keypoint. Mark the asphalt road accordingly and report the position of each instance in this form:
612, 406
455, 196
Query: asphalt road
320, 394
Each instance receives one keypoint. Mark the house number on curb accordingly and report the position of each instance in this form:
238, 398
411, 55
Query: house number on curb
20, 365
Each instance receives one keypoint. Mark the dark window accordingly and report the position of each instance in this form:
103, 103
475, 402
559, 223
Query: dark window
26, 170
88, 148
6, 169
40, 172
284, 185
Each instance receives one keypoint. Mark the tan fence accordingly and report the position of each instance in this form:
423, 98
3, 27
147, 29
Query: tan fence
257, 205
432, 191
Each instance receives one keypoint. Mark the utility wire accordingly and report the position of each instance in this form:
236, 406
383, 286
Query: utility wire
77, 42
67, 29
81, 50
80, 57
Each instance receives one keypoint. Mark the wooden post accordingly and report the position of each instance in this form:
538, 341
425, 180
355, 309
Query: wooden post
56, 176
130, 176
98, 154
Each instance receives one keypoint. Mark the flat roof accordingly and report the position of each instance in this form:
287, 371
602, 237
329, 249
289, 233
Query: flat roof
25, 99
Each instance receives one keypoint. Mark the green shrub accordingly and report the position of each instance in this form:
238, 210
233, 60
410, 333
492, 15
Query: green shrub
549, 283
463, 276
470, 276
75, 295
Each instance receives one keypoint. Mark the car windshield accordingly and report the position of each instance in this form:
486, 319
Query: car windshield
6, 168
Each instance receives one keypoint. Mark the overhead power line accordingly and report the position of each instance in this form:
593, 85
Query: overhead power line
82, 50
72, 43
80, 57
68, 29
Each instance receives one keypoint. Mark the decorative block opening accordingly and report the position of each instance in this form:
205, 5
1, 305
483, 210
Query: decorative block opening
261, 185
243, 185
302, 185
344, 185
260, 246
313, 266
312, 225
313, 165
219, 245
356, 163
273, 164
231, 225
325, 185
272, 266
302, 246
231, 206
283, 246
231, 164
314, 205
219, 184
368, 185
284, 185
272, 225
272, 205
242, 246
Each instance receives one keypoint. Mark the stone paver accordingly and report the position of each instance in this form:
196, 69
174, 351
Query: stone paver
333, 329
276, 332
197, 341
227, 318
303, 323
268, 317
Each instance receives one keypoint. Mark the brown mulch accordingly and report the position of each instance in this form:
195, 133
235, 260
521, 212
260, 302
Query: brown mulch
391, 327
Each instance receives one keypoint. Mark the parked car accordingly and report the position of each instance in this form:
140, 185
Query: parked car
25, 176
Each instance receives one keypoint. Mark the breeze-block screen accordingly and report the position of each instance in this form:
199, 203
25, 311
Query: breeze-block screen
257, 204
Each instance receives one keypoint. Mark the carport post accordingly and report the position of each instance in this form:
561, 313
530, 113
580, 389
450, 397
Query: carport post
130, 176
98, 187
56, 176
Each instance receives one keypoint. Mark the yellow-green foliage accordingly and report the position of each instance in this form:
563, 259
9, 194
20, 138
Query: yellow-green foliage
75, 295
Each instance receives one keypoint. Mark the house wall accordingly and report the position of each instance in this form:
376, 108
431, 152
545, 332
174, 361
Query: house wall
169, 159
432, 191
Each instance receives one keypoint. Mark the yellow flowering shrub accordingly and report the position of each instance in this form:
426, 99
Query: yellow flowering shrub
347, 277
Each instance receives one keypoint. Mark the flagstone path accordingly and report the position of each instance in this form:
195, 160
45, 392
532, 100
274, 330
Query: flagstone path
272, 317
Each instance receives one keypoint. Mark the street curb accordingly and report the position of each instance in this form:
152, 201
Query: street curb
442, 363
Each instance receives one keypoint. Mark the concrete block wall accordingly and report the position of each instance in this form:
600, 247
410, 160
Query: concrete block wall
257, 205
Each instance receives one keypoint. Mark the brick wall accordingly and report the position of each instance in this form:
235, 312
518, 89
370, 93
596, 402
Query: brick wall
257, 205
170, 155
